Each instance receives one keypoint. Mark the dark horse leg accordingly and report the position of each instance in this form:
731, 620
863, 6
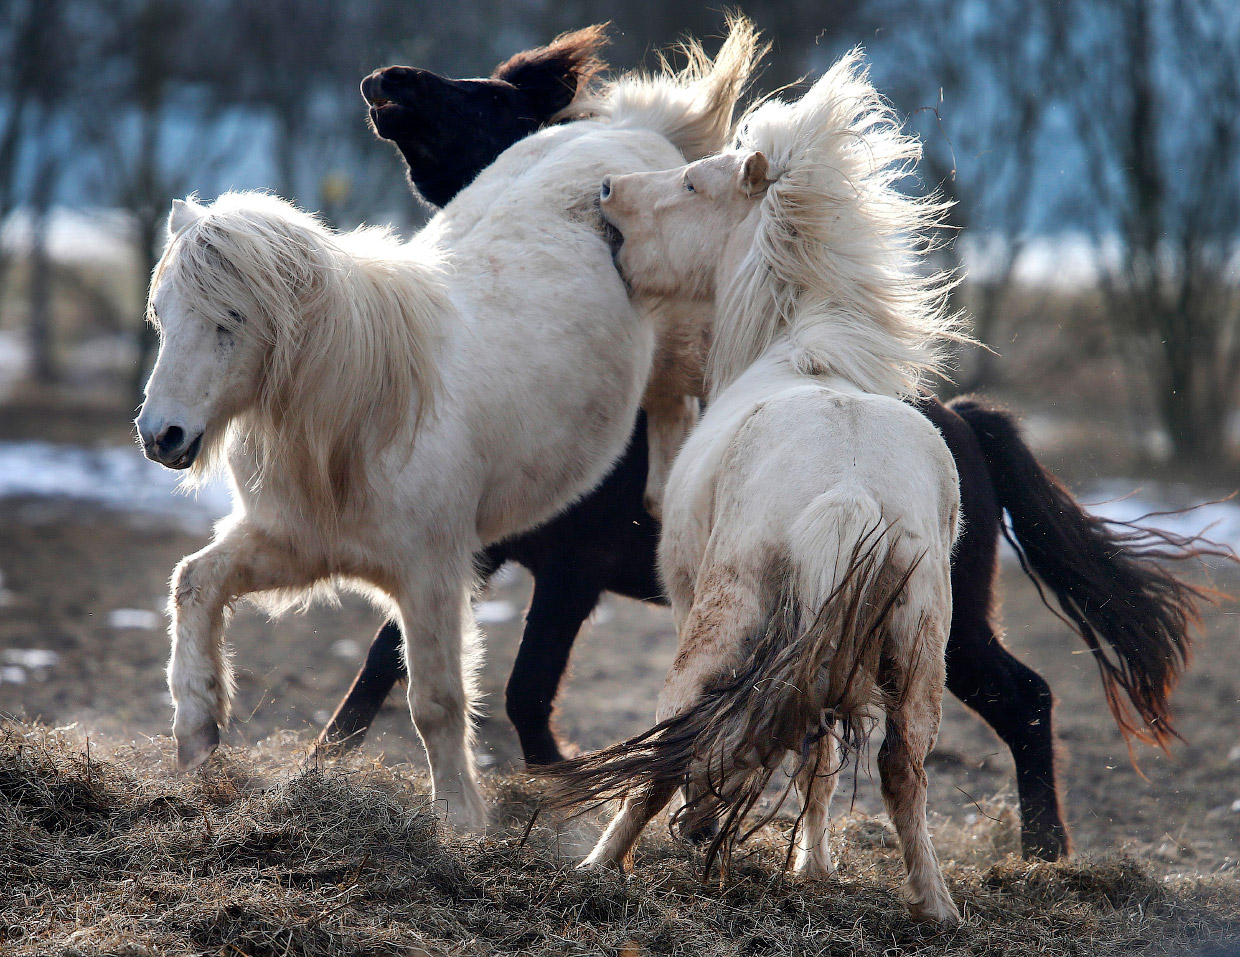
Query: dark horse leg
383, 667
563, 598
1016, 702
1009, 696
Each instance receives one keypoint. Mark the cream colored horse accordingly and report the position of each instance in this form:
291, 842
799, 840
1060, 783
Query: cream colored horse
387, 409
810, 517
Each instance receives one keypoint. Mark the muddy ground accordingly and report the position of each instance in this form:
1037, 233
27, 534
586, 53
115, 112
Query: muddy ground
68, 569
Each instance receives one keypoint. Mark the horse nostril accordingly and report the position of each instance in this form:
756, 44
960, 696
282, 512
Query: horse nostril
605, 190
173, 437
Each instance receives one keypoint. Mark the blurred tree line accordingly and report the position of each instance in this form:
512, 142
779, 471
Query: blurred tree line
1117, 119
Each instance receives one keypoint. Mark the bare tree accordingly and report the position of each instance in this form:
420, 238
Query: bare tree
974, 81
1154, 93
149, 120
33, 55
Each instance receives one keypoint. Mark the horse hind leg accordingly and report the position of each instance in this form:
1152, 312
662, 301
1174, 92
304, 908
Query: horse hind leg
912, 675
727, 609
1017, 704
815, 783
615, 848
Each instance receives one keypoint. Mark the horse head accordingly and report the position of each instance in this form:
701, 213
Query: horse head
207, 365
447, 130
680, 228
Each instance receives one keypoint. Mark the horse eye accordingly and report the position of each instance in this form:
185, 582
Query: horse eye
689, 186
227, 330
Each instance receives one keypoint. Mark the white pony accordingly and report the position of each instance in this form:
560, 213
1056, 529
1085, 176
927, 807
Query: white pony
387, 409
809, 520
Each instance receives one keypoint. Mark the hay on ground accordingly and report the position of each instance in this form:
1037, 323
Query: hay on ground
260, 856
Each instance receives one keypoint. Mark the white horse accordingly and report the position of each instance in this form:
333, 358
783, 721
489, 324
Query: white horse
387, 409
809, 520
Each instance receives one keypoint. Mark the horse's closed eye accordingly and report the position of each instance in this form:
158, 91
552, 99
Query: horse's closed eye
689, 185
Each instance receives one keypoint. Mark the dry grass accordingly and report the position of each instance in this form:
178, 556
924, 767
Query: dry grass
257, 857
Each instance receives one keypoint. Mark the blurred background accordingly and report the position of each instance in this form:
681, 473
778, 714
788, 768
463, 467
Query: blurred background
1092, 148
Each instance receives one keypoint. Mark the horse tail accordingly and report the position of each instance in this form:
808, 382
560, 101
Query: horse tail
1106, 577
807, 674
691, 107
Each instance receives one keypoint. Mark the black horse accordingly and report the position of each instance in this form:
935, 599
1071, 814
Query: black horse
1106, 577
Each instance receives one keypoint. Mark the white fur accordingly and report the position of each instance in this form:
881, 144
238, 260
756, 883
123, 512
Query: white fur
823, 322
388, 409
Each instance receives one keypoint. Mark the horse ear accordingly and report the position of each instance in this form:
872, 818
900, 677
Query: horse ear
551, 76
753, 173
183, 213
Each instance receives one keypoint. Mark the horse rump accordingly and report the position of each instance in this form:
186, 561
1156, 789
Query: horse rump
805, 677
1107, 577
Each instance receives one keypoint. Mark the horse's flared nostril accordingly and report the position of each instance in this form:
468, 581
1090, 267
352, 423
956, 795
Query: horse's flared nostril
172, 437
604, 192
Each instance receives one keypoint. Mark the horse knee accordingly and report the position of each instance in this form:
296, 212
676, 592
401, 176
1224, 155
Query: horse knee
434, 709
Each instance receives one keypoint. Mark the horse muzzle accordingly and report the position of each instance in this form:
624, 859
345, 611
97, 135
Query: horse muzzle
171, 446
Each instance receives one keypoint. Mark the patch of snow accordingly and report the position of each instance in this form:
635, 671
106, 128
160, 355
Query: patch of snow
494, 612
138, 618
30, 658
115, 477
102, 236
12, 675
1128, 500
346, 648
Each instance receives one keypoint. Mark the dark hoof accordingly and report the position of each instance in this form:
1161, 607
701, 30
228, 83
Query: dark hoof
334, 741
701, 834
1050, 845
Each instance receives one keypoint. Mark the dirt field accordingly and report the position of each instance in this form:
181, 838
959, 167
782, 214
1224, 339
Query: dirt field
89, 585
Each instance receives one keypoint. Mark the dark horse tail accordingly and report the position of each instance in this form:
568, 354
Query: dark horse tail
1107, 577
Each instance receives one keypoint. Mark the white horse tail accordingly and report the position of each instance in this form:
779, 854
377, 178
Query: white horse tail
692, 107
809, 671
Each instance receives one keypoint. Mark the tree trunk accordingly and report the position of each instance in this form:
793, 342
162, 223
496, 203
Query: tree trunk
149, 248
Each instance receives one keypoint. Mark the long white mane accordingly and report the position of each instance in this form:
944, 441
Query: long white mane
347, 322
692, 107
838, 260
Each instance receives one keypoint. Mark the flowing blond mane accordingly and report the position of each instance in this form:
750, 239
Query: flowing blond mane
693, 106
348, 324
838, 262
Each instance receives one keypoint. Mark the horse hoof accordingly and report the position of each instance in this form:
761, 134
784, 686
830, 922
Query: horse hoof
813, 867
939, 910
195, 748
601, 865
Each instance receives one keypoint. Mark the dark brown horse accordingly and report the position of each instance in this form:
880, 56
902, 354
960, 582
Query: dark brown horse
1106, 578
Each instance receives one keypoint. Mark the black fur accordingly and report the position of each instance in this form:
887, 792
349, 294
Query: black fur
448, 133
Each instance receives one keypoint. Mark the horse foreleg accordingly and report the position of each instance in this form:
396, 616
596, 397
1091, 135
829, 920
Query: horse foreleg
379, 673
203, 587
434, 609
